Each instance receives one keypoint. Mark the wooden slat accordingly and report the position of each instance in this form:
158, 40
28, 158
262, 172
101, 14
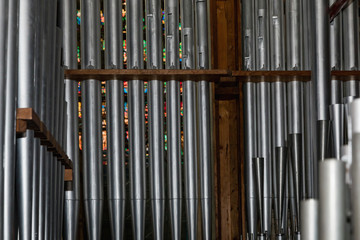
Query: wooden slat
27, 119
286, 76
68, 175
146, 74
336, 8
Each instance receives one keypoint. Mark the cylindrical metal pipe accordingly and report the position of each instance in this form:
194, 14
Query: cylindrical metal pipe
337, 121
115, 118
294, 36
331, 199
248, 46
262, 35
72, 190
173, 115
3, 58
190, 128
134, 10
250, 128
156, 117
351, 36
25, 145
259, 168
277, 36
321, 59
281, 161
355, 167
309, 219
91, 115
264, 143
279, 133
204, 116
10, 124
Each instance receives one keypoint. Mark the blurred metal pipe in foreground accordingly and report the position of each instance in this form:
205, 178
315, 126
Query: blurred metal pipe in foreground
309, 219
331, 199
115, 118
355, 168
250, 127
10, 124
91, 117
72, 190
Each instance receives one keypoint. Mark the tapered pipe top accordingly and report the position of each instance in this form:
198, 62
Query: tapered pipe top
281, 161
259, 175
332, 214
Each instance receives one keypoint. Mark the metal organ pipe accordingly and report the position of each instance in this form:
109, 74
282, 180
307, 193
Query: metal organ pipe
91, 110
10, 122
115, 118
134, 40
72, 191
156, 117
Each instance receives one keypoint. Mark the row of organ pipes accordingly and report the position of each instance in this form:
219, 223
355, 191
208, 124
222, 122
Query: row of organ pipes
301, 155
41, 41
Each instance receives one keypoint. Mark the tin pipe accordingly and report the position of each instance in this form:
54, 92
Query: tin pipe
250, 128
204, 116
277, 35
331, 199
264, 143
281, 161
156, 117
355, 167
190, 128
25, 145
309, 219
136, 117
351, 36
262, 35
248, 34
294, 36
91, 110
10, 122
259, 168
115, 118
72, 190
173, 115
278, 108
337, 122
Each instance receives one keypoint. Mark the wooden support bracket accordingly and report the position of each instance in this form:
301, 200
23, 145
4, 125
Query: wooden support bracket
27, 119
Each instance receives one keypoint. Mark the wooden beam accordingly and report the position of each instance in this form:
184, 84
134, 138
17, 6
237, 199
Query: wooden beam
146, 74
336, 8
27, 119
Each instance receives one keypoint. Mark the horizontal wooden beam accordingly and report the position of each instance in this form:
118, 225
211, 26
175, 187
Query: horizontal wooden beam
27, 119
146, 74
214, 75
287, 76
